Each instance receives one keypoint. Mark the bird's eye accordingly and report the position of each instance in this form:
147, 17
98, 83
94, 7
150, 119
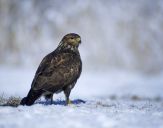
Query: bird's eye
72, 38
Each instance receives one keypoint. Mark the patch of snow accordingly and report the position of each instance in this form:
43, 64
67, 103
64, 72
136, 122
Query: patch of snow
92, 103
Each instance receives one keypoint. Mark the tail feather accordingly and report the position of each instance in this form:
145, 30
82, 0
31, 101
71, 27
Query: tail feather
31, 97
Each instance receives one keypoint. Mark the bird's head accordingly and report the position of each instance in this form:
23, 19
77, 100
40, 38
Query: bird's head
70, 41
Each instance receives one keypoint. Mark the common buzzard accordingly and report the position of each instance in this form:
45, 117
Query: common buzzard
58, 71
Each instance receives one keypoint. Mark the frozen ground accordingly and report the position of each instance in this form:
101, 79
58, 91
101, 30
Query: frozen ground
100, 100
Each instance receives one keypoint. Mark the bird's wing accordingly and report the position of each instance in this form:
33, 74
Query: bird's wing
43, 65
56, 72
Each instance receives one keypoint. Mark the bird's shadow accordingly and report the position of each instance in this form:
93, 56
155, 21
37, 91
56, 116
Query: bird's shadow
61, 102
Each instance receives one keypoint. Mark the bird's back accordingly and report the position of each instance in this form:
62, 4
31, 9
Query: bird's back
57, 70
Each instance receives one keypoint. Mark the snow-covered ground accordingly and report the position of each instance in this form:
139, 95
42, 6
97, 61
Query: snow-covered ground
100, 99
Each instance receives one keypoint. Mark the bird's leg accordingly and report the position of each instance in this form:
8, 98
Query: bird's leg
49, 96
51, 99
67, 94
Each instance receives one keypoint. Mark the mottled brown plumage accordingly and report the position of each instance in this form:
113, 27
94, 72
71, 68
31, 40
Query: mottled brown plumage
57, 72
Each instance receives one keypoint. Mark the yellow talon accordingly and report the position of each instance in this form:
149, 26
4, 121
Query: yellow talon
69, 102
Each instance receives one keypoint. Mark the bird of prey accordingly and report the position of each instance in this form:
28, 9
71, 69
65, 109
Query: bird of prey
58, 71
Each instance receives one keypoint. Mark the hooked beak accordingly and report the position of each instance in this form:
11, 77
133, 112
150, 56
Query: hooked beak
78, 40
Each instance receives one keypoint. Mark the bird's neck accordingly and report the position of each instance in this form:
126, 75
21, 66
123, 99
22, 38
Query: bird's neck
67, 47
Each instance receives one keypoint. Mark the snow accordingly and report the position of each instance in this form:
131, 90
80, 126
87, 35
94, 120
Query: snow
114, 99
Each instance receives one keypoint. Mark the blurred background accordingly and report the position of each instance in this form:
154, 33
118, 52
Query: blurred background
116, 35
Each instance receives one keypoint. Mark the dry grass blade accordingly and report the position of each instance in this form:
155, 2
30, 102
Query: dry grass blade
11, 101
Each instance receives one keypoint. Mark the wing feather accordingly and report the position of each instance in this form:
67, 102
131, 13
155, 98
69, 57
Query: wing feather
57, 71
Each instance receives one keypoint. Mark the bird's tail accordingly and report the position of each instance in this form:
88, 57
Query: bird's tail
31, 97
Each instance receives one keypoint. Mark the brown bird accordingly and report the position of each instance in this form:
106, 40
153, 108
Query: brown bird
58, 71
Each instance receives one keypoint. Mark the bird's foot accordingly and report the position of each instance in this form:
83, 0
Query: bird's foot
68, 102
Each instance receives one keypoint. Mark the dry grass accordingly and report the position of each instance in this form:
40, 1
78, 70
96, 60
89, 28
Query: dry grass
11, 101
